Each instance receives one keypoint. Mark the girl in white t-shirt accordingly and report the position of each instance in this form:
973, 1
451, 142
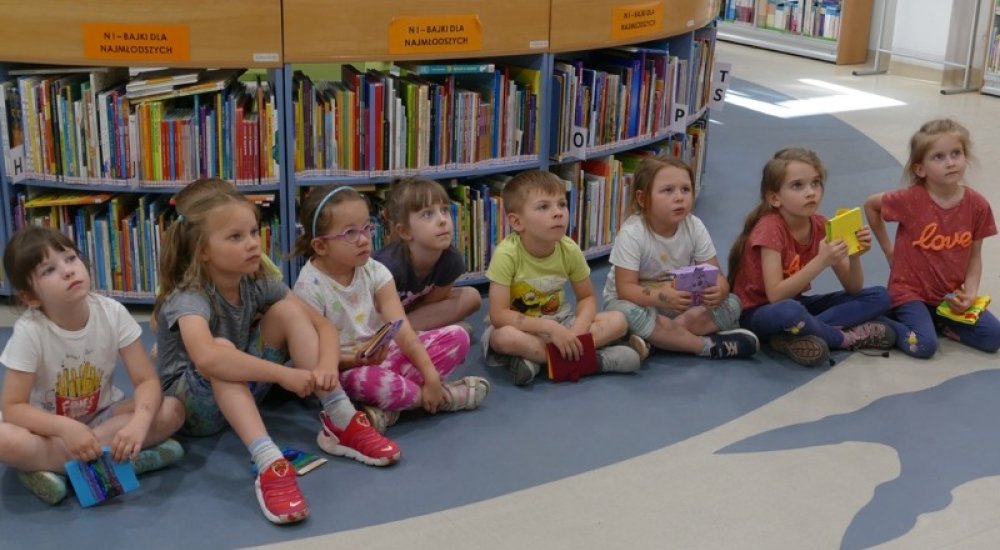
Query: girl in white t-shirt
59, 402
660, 236
358, 295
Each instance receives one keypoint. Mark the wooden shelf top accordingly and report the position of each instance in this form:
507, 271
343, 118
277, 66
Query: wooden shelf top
591, 24
179, 33
350, 30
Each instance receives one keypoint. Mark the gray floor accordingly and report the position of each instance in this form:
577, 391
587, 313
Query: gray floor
686, 454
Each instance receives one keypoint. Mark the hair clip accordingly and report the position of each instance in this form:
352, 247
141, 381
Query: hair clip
180, 218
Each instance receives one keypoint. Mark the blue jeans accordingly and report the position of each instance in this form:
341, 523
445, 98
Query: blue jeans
917, 326
822, 315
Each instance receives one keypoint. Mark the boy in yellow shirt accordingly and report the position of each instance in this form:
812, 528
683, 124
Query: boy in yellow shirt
528, 274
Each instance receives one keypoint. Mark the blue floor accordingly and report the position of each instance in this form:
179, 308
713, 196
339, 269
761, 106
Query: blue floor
521, 437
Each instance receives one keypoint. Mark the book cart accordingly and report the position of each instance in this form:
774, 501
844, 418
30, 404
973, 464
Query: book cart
829, 30
304, 93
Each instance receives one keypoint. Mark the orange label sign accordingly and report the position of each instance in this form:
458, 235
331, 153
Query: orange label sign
136, 42
435, 34
632, 20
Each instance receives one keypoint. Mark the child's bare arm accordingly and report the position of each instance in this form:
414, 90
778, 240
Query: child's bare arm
80, 440
776, 285
217, 360
147, 398
873, 212
586, 306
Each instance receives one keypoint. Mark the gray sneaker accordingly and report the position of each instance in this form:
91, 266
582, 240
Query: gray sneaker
807, 350
524, 370
618, 359
872, 335
48, 486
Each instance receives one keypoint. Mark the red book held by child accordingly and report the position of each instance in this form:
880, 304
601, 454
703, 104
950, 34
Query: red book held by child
562, 369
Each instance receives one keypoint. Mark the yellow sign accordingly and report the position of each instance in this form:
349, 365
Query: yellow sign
435, 34
632, 20
136, 42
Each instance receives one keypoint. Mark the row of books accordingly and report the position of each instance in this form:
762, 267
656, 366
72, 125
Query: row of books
82, 127
614, 95
993, 57
449, 115
816, 18
121, 234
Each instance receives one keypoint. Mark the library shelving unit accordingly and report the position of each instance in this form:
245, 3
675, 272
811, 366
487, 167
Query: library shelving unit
991, 70
466, 92
470, 92
829, 30
83, 150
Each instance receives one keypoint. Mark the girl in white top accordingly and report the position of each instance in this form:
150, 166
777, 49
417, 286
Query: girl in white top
59, 402
660, 236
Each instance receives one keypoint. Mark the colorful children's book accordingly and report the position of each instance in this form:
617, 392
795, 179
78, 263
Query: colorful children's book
561, 369
101, 479
381, 339
970, 316
302, 461
845, 225
695, 279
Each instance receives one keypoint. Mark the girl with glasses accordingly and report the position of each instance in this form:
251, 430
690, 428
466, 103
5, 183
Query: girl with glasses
358, 295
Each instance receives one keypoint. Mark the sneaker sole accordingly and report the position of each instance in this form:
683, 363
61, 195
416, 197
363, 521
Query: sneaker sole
336, 449
808, 351
279, 520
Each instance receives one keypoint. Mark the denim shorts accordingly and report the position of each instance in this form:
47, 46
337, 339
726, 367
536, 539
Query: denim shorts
202, 414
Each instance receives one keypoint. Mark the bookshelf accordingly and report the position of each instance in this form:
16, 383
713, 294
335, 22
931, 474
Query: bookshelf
99, 161
466, 92
829, 30
508, 75
991, 69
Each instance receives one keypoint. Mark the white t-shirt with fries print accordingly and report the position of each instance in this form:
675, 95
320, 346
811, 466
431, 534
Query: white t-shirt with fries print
73, 369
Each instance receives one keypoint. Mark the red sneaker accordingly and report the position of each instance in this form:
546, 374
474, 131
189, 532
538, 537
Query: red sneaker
278, 494
358, 440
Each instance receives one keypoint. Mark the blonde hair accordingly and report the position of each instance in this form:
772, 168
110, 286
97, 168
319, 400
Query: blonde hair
517, 191
316, 214
645, 174
409, 195
187, 236
772, 177
924, 139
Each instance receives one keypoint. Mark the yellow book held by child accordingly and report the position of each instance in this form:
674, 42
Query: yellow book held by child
969, 316
845, 225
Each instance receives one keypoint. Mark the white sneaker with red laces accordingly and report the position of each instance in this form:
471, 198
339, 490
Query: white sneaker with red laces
278, 494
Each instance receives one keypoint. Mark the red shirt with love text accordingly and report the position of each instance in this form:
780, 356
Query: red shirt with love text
933, 244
